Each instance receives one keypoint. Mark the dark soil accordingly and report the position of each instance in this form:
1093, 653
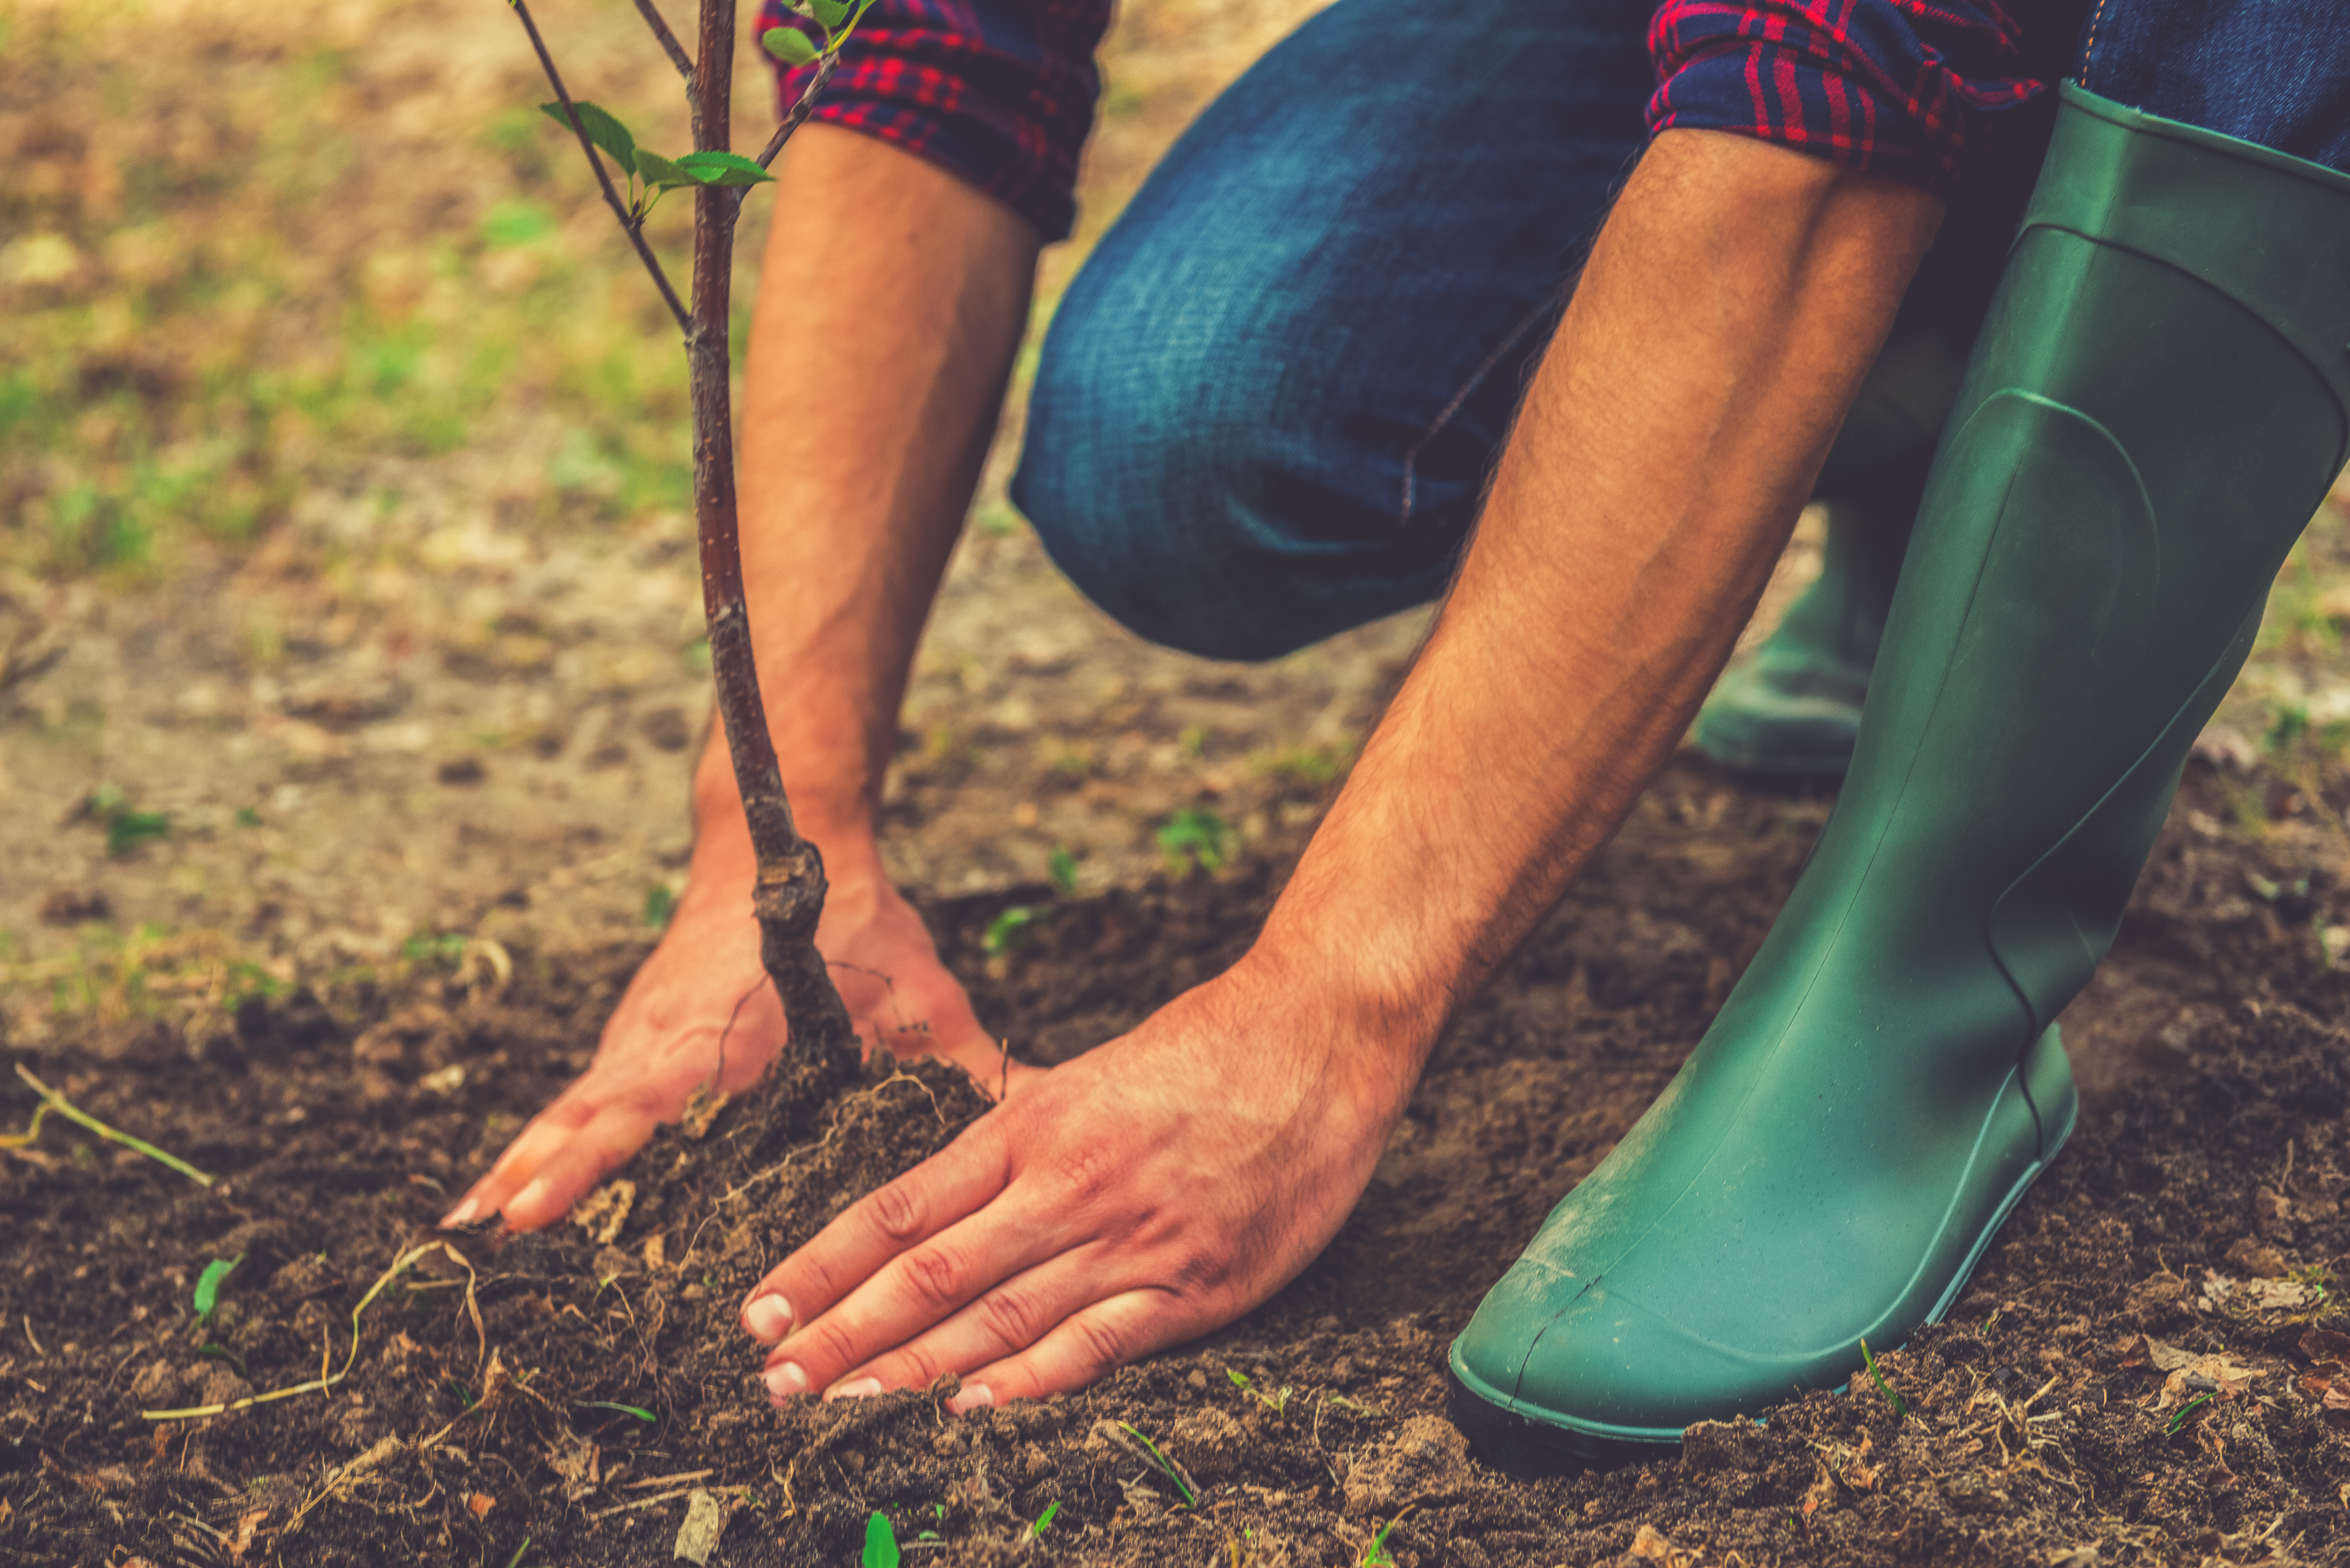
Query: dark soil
2179, 1249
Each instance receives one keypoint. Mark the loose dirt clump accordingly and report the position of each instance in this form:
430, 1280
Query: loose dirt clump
2143, 1369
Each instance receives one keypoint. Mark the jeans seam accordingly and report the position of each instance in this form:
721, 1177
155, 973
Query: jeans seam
2089, 43
1444, 415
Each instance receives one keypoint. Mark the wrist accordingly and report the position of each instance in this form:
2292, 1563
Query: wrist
1376, 1028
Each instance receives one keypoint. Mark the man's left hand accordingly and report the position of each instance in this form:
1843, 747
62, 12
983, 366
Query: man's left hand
1148, 1192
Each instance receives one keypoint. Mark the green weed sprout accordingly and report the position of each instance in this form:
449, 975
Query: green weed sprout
880, 1542
207, 1301
1377, 1556
1165, 1466
1278, 1403
1063, 869
1044, 1520
1193, 836
51, 1100
638, 1411
1011, 928
1899, 1409
126, 829
660, 904
2179, 1417
514, 1561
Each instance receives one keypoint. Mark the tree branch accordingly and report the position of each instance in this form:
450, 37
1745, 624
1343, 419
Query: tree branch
797, 118
677, 55
629, 223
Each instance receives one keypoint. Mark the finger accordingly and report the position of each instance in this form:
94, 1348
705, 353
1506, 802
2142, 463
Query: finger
917, 1291
951, 1184
616, 1132
997, 1325
1086, 1346
548, 1132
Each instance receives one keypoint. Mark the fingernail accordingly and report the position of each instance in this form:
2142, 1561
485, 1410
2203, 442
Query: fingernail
974, 1397
785, 1380
768, 1317
527, 1195
863, 1388
461, 1214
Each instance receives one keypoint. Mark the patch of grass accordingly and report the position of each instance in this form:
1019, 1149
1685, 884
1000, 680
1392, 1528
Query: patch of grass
127, 828
1193, 838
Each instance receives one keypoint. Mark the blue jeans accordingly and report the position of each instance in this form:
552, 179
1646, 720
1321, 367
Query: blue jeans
1269, 403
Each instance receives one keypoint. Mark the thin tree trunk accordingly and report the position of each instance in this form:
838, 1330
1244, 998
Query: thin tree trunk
789, 894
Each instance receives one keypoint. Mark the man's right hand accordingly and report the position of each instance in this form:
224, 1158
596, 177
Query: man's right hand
701, 1012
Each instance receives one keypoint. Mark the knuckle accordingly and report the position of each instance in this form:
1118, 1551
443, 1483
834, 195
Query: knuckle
1011, 1316
1099, 1344
936, 1274
1086, 1176
896, 1213
912, 1367
831, 1345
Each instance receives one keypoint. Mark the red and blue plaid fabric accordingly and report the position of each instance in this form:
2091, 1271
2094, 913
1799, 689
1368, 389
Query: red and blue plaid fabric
1000, 92
1896, 87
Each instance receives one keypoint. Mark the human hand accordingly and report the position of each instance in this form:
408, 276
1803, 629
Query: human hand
1140, 1196
701, 1012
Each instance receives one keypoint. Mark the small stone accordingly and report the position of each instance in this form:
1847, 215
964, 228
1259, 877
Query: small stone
697, 1538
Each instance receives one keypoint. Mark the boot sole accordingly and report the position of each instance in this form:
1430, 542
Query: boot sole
1531, 1447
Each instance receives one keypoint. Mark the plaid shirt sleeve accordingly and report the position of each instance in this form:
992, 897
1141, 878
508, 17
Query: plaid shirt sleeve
1905, 88
998, 92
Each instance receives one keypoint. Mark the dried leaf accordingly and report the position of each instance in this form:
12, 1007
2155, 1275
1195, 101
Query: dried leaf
480, 1505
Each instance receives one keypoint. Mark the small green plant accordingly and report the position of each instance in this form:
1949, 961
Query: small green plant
428, 947
661, 905
1063, 869
1165, 1467
1193, 837
1011, 928
1899, 1409
1306, 765
515, 1561
126, 829
1044, 1520
638, 1411
2179, 1417
880, 1542
1278, 1403
466, 1398
208, 1289
247, 817
1376, 1555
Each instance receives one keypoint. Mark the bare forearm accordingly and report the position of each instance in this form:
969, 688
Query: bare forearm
1730, 308
891, 305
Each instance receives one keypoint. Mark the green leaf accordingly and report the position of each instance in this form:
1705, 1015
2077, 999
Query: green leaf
602, 128
208, 1286
724, 169
645, 1415
880, 1542
1063, 869
1012, 928
828, 14
129, 830
660, 904
788, 44
1044, 1520
661, 174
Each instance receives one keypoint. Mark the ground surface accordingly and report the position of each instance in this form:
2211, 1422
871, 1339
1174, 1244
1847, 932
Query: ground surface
346, 658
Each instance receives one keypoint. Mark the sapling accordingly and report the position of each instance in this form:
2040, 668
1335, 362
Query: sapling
788, 893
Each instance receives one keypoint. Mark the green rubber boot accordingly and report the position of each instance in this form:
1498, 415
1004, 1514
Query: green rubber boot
1793, 708
2157, 403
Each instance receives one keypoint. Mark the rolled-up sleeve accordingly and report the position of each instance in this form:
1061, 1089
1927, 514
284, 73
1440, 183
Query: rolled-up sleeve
1910, 90
998, 92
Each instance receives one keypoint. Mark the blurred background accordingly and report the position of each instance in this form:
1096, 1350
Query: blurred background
348, 610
